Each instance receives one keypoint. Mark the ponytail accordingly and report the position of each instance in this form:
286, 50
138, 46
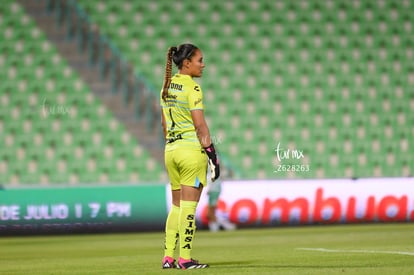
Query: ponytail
176, 55
168, 72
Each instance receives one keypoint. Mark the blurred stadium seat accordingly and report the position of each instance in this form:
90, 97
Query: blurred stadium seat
53, 129
330, 78
320, 73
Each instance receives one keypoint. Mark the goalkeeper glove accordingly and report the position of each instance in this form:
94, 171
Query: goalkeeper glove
213, 162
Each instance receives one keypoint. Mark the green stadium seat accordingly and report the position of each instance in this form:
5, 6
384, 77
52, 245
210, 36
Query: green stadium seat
325, 66
45, 104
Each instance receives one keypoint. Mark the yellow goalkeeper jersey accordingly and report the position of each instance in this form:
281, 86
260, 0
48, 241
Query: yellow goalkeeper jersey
184, 95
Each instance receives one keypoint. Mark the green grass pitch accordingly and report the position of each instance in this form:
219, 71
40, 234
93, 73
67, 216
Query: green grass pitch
330, 249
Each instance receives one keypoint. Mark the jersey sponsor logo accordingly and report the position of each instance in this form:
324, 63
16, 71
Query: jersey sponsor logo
171, 100
175, 86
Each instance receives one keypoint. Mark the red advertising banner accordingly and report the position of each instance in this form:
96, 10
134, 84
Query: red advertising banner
314, 201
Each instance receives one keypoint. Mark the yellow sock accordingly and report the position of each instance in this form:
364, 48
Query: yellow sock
187, 227
171, 231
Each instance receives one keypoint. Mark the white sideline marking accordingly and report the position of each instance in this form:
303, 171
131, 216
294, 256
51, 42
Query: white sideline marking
357, 251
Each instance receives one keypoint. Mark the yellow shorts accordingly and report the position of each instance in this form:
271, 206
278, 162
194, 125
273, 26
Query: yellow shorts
186, 166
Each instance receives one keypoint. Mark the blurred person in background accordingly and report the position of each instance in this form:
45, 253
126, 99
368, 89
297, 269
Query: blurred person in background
217, 219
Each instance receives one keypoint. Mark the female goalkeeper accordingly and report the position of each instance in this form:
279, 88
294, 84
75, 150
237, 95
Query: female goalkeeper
188, 151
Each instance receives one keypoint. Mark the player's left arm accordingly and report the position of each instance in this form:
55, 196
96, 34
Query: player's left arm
164, 124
